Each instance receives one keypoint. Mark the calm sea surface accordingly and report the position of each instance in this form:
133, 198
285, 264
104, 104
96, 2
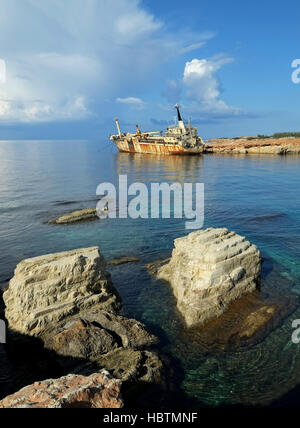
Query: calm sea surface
258, 197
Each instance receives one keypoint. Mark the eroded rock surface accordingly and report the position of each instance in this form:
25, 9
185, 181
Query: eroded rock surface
77, 216
65, 308
96, 333
99, 390
210, 269
47, 289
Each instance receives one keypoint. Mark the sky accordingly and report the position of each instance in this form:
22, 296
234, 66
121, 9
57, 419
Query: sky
72, 66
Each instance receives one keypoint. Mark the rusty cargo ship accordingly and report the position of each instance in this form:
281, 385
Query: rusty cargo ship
180, 139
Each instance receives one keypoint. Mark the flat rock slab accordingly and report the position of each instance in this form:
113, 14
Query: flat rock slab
77, 216
99, 390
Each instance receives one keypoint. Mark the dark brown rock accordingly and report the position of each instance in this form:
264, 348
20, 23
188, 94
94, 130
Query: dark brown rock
80, 339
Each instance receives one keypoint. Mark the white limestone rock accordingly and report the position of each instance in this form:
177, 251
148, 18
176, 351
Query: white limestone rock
47, 289
209, 269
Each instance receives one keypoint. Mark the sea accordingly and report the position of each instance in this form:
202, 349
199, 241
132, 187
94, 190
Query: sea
255, 196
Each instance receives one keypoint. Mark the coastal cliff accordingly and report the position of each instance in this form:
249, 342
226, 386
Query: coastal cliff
278, 146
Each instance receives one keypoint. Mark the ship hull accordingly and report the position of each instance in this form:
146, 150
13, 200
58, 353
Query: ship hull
156, 148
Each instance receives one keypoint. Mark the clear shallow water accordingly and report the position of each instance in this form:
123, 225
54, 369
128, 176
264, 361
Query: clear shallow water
255, 196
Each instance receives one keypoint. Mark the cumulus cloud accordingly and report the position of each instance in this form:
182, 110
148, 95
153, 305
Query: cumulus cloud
65, 57
133, 102
203, 87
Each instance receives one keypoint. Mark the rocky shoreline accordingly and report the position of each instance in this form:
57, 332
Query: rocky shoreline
64, 315
274, 146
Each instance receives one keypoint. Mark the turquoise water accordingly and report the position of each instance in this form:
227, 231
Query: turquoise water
256, 196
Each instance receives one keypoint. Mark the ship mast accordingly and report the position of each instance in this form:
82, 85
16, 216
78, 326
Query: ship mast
180, 121
118, 126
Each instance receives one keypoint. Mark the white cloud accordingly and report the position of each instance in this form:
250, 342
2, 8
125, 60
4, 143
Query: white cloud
133, 102
203, 87
65, 57
199, 44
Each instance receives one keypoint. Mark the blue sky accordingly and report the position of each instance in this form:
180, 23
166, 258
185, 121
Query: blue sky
72, 66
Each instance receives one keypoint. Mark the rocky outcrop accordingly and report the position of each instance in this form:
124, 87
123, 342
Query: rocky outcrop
99, 390
277, 146
77, 216
50, 288
65, 308
210, 269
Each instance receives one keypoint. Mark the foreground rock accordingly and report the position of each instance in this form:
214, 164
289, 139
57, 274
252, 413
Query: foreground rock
278, 146
99, 390
209, 270
77, 216
63, 313
47, 289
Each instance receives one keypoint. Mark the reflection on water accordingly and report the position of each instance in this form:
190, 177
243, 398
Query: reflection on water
256, 196
150, 167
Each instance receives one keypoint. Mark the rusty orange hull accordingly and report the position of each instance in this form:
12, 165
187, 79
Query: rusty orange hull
156, 148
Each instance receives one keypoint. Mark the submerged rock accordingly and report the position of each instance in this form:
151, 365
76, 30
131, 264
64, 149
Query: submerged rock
122, 261
130, 365
247, 322
253, 322
77, 216
99, 390
210, 269
47, 289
